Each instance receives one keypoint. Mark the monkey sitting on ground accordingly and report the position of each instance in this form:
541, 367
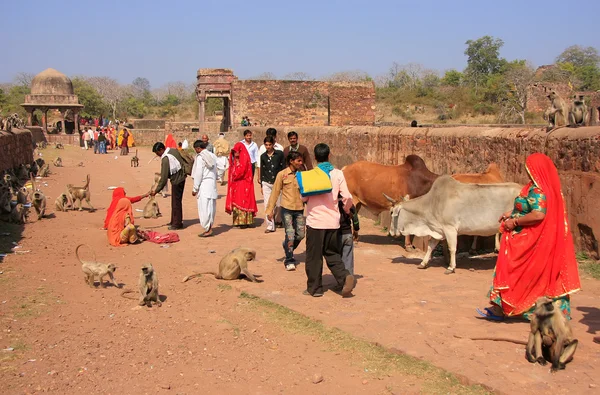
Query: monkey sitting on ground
91, 270
59, 146
232, 265
551, 338
39, 204
61, 203
151, 209
44, 170
80, 193
58, 162
135, 161
148, 287
578, 112
18, 215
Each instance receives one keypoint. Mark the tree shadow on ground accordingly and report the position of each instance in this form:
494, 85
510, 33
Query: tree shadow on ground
591, 318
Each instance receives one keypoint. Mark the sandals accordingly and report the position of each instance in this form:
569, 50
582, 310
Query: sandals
206, 234
489, 315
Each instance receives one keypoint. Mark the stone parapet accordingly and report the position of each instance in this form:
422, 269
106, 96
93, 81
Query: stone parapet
16, 148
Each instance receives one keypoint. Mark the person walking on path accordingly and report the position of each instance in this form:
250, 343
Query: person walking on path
271, 163
204, 173
295, 146
323, 236
285, 188
252, 149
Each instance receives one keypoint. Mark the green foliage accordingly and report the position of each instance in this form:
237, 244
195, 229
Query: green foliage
579, 56
213, 104
170, 100
135, 107
11, 101
93, 105
452, 78
483, 59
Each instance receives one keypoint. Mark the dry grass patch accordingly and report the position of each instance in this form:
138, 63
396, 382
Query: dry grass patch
374, 358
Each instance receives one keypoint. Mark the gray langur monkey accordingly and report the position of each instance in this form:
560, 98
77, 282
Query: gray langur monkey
93, 270
232, 265
61, 203
39, 204
578, 112
151, 209
147, 286
550, 338
80, 193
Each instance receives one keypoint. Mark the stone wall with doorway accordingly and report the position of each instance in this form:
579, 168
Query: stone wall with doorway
16, 148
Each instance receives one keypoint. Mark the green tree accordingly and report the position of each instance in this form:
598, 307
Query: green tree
170, 100
582, 65
13, 100
452, 78
483, 59
134, 107
579, 56
93, 105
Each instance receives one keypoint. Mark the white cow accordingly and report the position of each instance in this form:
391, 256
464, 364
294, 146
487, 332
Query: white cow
450, 209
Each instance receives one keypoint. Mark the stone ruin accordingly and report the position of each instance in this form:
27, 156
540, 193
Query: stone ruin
285, 103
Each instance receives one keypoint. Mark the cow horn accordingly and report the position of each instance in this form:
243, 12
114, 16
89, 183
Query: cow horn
389, 198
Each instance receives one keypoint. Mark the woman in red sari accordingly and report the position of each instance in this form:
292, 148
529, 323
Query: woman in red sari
240, 188
537, 257
118, 194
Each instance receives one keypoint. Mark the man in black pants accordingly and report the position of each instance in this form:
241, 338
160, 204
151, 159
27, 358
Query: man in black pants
171, 167
323, 236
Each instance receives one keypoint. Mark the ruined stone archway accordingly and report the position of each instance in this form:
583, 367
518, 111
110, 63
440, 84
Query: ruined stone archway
215, 83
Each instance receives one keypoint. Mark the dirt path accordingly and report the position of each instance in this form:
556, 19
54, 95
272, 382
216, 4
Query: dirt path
207, 338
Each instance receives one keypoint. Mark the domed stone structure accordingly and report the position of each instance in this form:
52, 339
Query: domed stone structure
51, 82
51, 89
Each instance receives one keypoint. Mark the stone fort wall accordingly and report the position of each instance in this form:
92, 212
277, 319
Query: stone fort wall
16, 148
310, 103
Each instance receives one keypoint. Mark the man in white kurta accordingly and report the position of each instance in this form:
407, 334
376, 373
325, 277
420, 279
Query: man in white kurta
204, 173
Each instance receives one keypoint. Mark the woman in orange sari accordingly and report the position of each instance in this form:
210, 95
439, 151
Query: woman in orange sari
118, 194
537, 256
240, 201
121, 229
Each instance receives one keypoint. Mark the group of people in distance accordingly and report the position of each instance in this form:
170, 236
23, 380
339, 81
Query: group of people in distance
107, 138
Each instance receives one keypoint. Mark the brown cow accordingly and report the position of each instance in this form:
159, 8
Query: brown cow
368, 181
491, 175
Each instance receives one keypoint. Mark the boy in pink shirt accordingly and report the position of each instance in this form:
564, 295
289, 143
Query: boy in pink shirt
323, 236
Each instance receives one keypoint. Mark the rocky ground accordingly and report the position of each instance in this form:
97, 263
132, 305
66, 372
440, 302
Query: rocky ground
396, 335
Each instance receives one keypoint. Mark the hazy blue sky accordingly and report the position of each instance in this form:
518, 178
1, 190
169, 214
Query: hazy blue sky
169, 40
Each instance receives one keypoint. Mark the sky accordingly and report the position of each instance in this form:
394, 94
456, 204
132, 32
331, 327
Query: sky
167, 41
